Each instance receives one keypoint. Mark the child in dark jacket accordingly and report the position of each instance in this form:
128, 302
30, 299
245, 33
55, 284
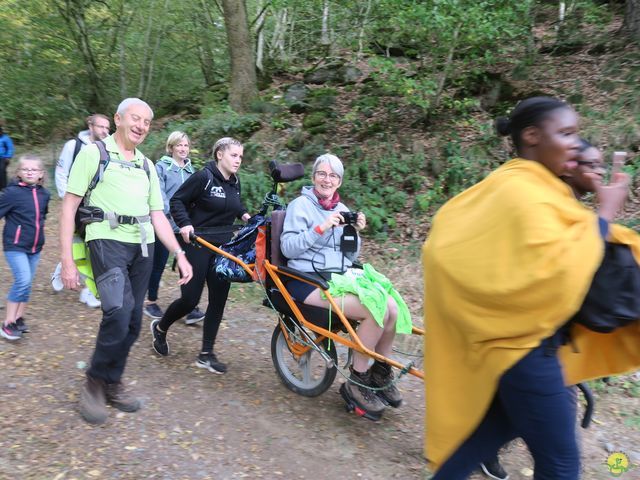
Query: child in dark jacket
24, 204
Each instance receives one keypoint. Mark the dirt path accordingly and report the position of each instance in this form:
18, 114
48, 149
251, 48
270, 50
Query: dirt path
196, 425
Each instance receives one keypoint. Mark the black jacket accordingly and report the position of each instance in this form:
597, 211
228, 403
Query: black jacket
208, 202
25, 208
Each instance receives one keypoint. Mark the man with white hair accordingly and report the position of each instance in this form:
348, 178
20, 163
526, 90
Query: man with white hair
121, 212
98, 126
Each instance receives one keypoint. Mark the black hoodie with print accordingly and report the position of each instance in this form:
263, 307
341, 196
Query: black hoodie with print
207, 201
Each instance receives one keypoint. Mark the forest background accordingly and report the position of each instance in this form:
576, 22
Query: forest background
405, 91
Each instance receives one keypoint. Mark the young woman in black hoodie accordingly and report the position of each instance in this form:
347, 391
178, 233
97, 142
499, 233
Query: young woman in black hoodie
206, 204
24, 205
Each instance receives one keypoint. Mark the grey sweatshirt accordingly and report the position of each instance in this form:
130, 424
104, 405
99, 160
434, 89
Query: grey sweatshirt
306, 249
171, 177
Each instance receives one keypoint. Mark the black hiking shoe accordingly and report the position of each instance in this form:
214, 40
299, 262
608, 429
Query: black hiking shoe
360, 399
119, 397
382, 376
159, 343
93, 401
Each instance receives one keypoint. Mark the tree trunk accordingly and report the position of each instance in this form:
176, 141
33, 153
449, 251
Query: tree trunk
279, 35
154, 53
325, 38
73, 13
632, 19
447, 66
364, 17
244, 85
123, 71
260, 36
146, 46
203, 21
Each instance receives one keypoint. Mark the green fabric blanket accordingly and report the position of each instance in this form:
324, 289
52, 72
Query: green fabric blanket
373, 289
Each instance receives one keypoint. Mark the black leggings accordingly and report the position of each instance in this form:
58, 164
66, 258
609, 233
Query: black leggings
201, 259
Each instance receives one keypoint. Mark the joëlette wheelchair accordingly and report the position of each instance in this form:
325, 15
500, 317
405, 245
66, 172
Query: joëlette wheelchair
303, 344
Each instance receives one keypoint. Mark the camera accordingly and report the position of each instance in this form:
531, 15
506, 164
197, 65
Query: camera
350, 218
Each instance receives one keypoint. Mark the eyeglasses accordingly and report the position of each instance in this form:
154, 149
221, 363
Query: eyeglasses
334, 177
29, 170
591, 165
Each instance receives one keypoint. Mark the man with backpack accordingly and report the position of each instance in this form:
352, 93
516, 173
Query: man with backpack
98, 129
122, 208
6, 152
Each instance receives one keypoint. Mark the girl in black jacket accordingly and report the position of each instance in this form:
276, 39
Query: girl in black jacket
24, 204
207, 203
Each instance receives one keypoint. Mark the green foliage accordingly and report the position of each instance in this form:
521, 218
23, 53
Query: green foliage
147, 48
255, 184
397, 80
583, 18
374, 186
205, 131
461, 168
451, 38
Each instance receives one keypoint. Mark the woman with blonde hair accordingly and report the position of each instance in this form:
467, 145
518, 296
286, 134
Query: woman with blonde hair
207, 204
173, 169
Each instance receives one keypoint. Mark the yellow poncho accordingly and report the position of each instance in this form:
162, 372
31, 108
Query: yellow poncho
507, 262
595, 355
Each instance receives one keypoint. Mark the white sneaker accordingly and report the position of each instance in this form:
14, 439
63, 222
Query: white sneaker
56, 280
86, 296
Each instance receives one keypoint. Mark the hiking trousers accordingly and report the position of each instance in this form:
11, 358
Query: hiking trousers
122, 277
160, 257
532, 402
201, 259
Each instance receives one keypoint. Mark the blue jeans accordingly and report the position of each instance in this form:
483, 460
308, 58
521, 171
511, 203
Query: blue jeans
532, 402
23, 266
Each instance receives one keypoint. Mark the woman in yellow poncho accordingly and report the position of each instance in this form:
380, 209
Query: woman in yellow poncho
507, 263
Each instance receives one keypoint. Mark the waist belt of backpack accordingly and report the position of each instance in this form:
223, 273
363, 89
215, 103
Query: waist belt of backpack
114, 220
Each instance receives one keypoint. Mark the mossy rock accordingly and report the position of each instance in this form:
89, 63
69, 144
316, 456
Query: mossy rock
325, 74
334, 73
314, 119
311, 151
296, 92
322, 98
261, 106
372, 89
318, 129
299, 107
374, 128
296, 141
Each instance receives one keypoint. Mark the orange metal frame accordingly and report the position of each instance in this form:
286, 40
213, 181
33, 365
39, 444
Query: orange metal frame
298, 349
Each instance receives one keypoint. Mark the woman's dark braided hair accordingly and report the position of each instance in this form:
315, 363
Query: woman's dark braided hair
528, 113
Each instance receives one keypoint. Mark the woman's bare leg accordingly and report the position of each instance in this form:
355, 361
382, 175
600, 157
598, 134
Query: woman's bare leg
371, 335
12, 309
